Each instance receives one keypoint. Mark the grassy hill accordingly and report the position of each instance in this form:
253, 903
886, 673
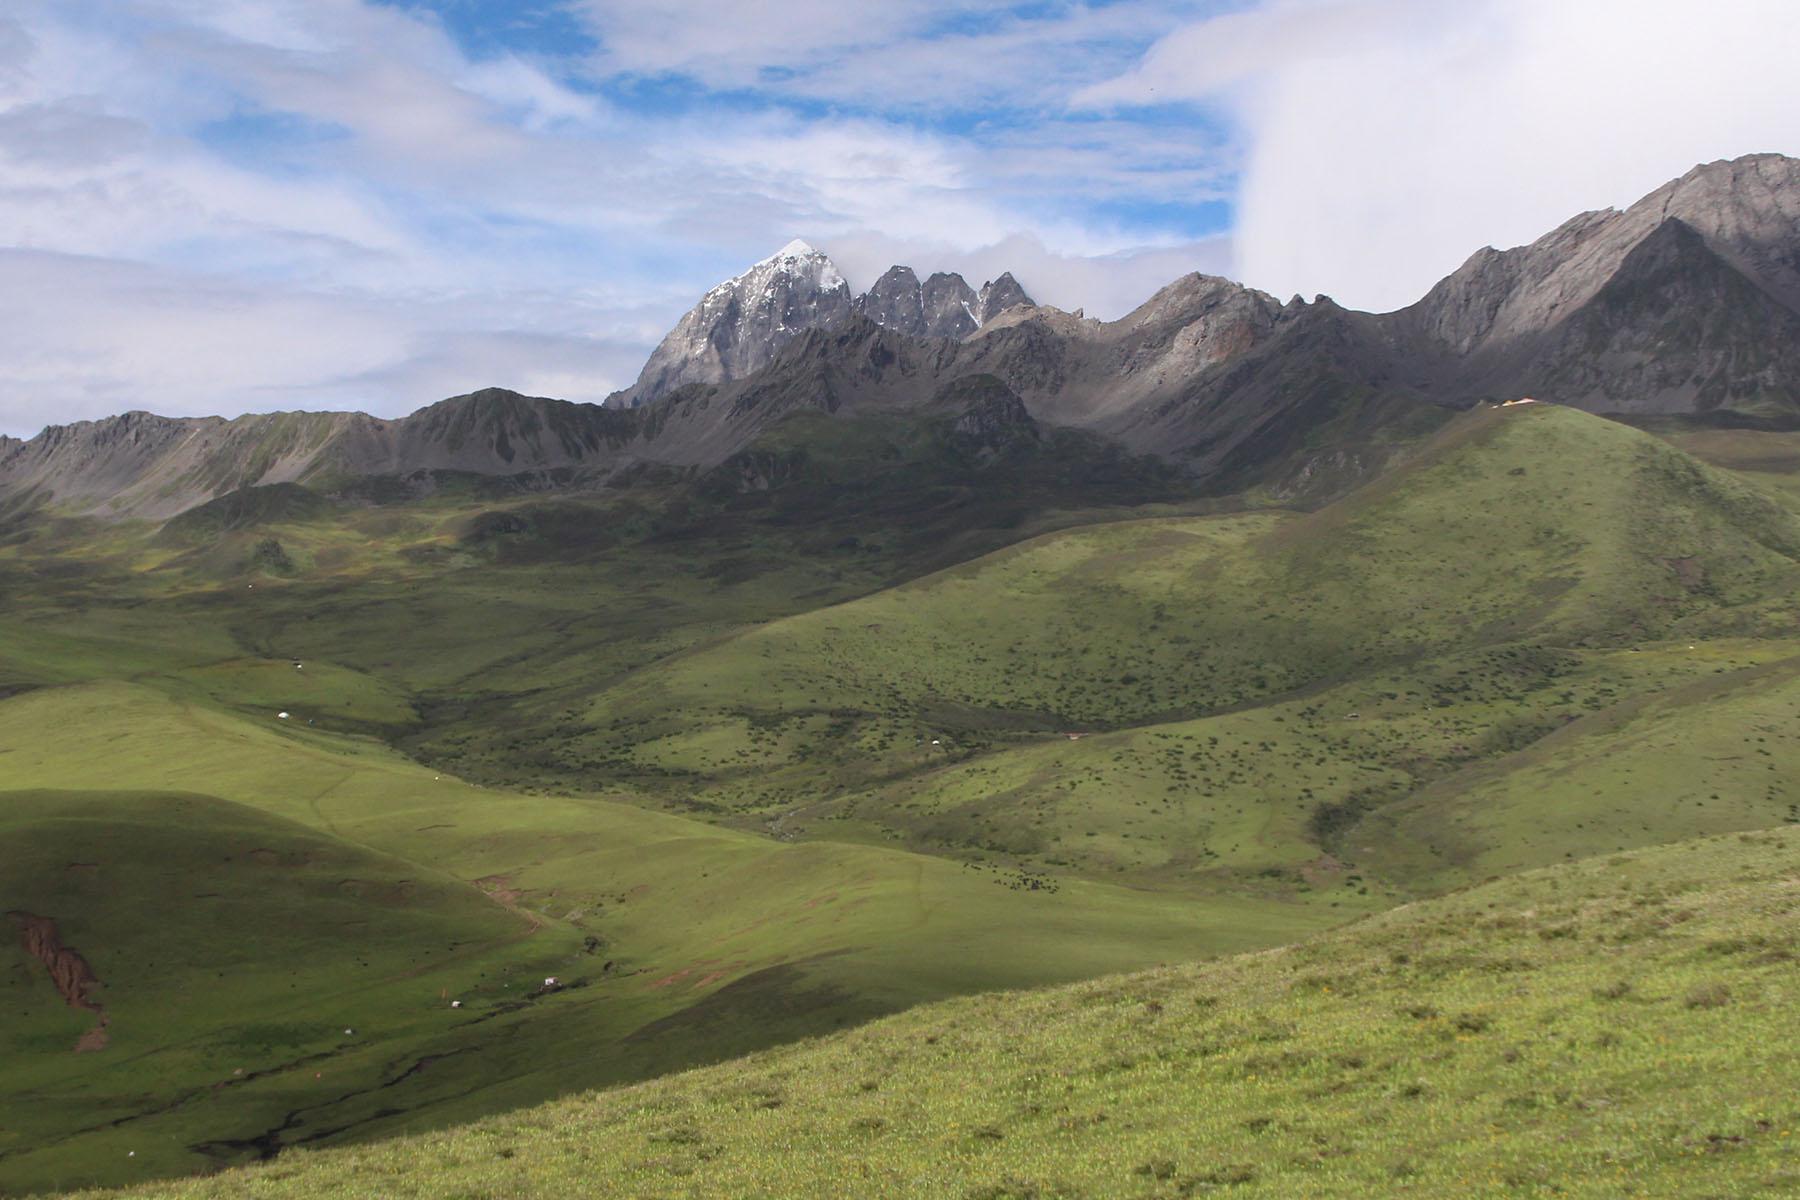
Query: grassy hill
1214, 701
220, 949
325, 885
740, 769
1597, 1029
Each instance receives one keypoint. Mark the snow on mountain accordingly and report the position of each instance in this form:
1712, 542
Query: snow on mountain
740, 325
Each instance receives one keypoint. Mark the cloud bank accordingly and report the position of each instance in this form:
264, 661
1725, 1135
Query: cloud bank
1386, 140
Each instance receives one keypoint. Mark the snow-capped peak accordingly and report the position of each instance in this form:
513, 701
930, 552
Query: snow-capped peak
798, 257
739, 325
798, 248
796, 260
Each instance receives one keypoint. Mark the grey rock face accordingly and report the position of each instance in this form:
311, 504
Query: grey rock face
986, 410
1088, 373
1676, 329
998, 295
737, 327
140, 465
947, 308
1747, 210
1549, 318
944, 306
740, 326
895, 302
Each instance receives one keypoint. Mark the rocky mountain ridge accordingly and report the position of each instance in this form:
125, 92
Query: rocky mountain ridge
1639, 311
943, 306
1687, 302
142, 465
738, 327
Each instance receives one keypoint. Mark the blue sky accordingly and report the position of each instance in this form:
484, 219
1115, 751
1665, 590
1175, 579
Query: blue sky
242, 205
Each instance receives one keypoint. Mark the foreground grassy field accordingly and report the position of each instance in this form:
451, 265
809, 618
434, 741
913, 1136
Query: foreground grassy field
228, 956
169, 697
276, 958
1598, 1029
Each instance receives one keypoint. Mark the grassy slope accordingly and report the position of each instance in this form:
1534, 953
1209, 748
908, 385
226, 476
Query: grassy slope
1490, 534
407, 619
1716, 753
1596, 1029
1770, 460
235, 953
1508, 620
1531, 568
706, 942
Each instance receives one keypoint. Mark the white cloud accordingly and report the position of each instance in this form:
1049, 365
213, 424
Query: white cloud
94, 336
731, 44
16, 50
83, 338
1211, 57
858, 173
1018, 61
872, 196
1388, 139
66, 133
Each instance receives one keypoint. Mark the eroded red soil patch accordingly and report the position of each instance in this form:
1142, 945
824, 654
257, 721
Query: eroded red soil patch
69, 971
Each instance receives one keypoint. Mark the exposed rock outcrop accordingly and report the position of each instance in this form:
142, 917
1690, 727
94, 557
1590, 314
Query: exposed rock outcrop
742, 324
739, 325
1680, 303
944, 306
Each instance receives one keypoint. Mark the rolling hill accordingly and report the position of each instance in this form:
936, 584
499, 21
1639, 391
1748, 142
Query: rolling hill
276, 958
1592, 1029
1104, 747
1530, 569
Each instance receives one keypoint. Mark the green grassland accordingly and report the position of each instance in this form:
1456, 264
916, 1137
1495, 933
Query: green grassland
1246, 687
1258, 796
326, 884
238, 954
1769, 459
911, 718
1596, 1029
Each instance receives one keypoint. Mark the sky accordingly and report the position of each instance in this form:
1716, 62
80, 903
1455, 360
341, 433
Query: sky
227, 206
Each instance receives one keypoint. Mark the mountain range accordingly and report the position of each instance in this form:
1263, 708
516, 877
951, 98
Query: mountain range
738, 326
1684, 305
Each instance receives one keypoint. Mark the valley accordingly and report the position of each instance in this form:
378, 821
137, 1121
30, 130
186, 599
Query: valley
280, 909
724, 812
